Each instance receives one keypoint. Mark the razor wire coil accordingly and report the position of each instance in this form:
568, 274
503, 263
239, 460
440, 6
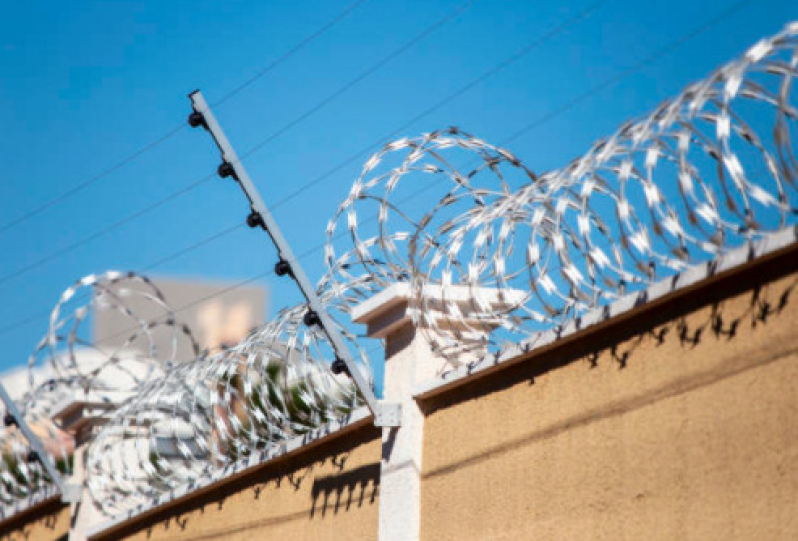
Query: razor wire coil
495, 255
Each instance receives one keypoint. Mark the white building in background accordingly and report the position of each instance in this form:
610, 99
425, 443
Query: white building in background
217, 314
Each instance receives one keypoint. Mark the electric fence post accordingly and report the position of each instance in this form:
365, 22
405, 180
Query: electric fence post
385, 414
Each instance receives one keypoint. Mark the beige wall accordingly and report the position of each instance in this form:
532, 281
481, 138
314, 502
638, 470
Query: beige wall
681, 423
45, 522
676, 421
329, 492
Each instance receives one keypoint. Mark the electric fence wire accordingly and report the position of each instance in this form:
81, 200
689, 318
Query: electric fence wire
285, 128
146, 268
596, 89
81, 186
664, 192
674, 188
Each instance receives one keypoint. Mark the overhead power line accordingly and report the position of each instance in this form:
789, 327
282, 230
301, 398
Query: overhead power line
663, 51
157, 263
171, 132
497, 68
291, 52
194, 246
427, 32
219, 293
670, 47
105, 230
186, 189
651, 58
91, 180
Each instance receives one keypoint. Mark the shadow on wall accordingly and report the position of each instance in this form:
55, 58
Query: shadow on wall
766, 303
352, 487
713, 315
52, 524
722, 325
286, 496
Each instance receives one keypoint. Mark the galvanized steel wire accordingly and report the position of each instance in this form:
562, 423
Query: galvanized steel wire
493, 255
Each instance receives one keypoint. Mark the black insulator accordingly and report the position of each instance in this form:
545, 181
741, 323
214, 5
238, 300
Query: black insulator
255, 220
339, 367
33, 456
226, 170
196, 119
282, 267
311, 318
9, 420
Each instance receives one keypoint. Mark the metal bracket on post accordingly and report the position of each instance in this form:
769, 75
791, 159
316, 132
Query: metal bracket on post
388, 414
70, 493
231, 166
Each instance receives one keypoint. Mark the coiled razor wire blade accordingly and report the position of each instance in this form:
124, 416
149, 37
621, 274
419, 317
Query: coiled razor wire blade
205, 415
69, 365
499, 255
708, 171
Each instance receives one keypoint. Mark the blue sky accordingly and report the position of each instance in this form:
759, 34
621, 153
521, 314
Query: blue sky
85, 87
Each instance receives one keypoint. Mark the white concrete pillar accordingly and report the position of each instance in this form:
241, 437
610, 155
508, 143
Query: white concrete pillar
81, 418
409, 360
85, 514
